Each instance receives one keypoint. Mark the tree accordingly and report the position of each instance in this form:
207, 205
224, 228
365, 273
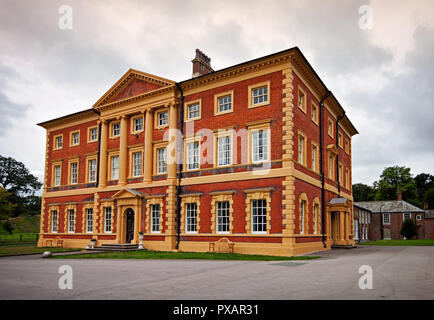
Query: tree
408, 229
429, 198
394, 180
424, 182
16, 178
6, 206
363, 192
8, 227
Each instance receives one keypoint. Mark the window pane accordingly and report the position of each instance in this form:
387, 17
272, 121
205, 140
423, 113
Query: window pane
259, 145
259, 215
138, 124
225, 103
115, 168
224, 151
116, 129
92, 170
193, 111
155, 218
74, 173
89, 220
163, 118
260, 95
108, 219
191, 217
162, 157
137, 164
193, 155
54, 221
223, 216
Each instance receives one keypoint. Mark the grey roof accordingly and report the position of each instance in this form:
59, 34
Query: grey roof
338, 200
137, 193
394, 206
429, 214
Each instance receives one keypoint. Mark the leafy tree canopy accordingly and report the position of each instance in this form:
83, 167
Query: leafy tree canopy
429, 198
16, 178
363, 192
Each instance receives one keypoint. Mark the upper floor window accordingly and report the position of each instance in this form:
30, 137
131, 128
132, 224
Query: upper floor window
224, 151
193, 111
224, 103
162, 160
137, 164
314, 115
116, 129
93, 134
57, 175
162, 119
347, 146
260, 145
92, 170
138, 124
300, 149
193, 155
330, 127
75, 138
74, 173
340, 140
301, 100
114, 167
331, 166
58, 142
314, 157
259, 94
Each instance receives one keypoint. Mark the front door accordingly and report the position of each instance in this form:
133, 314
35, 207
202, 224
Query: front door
130, 226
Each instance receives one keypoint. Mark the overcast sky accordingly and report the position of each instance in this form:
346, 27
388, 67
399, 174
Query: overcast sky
383, 76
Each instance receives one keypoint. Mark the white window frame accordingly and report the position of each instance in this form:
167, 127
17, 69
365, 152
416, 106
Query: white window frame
162, 160
89, 220
191, 208
224, 101
315, 212
74, 172
223, 216
54, 221
75, 138
406, 213
195, 105
302, 214
57, 175
138, 124
92, 136
155, 217
193, 156
92, 170
137, 164
58, 142
116, 129
163, 121
386, 221
257, 94
71, 220
255, 146
227, 153
114, 171
418, 217
263, 215
108, 216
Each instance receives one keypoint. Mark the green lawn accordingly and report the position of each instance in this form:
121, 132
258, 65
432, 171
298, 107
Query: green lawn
419, 242
144, 254
18, 237
11, 250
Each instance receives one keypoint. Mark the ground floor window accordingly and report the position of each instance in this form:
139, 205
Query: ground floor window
356, 230
155, 218
223, 217
89, 220
191, 218
259, 216
108, 219
54, 221
71, 218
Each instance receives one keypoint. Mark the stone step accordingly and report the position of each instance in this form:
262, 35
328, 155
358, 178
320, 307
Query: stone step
340, 246
120, 245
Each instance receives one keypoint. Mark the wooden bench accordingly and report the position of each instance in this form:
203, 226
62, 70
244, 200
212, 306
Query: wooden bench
224, 245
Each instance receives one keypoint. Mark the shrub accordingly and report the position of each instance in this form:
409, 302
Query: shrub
408, 229
8, 227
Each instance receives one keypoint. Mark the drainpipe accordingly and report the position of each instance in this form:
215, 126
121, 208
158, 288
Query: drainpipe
321, 143
337, 148
99, 149
179, 171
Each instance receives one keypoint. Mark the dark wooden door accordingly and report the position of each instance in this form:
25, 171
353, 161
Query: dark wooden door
130, 226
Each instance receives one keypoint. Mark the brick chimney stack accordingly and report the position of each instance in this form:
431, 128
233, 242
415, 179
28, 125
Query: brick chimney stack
399, 195
201, 64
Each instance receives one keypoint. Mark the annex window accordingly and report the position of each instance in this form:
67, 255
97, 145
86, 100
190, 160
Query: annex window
93, 134
137, 164
89, 220
162, 119
301, 100
54, 221
114, 168
107, 219
191, 218
58, 142
259, 94
223, 215
260, 145
116, 129
57, 175
71, 220
92, 170
193, 155
73, 173
155, 218
259, 216
302, 215
162, 160
386, 218
406, 216
418, 217
75, 138
224, 151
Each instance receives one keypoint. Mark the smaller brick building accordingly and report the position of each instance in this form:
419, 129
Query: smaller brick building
387, 218
362, 221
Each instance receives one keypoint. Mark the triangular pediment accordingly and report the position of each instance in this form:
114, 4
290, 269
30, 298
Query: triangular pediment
133, 83
127, 193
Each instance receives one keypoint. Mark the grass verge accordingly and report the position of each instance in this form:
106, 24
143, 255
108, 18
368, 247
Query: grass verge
417, 242
27, 249
144, 254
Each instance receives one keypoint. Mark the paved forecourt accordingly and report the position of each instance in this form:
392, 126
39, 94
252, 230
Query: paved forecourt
398, 273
